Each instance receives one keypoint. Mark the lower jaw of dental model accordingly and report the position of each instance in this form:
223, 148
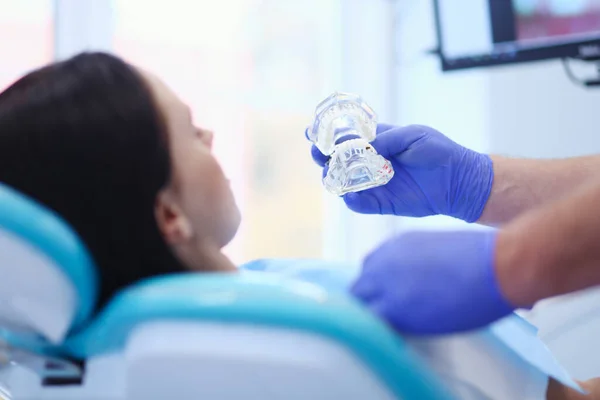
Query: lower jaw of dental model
355, 166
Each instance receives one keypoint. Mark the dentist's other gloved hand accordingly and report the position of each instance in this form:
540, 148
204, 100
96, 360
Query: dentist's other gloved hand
433, 175
434, 282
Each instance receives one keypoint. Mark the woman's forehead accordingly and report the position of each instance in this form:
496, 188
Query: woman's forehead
164, 96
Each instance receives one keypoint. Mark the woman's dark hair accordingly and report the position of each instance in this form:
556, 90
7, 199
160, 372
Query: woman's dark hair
85, 138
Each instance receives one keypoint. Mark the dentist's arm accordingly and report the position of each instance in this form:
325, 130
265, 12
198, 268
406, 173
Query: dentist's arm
442, 282
552, 250
557, 391
522, 184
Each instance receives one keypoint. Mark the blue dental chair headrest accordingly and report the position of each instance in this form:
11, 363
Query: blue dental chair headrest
225, 336
47, 278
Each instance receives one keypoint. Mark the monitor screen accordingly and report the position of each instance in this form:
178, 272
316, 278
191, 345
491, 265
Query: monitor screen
492, 32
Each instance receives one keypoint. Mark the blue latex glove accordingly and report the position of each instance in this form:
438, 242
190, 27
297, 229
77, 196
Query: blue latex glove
433, 282
433, 175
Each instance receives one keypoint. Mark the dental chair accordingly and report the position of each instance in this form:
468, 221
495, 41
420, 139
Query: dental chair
192, 336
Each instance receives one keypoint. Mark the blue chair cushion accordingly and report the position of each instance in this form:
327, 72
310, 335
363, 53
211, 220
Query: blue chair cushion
267, 299
42, 228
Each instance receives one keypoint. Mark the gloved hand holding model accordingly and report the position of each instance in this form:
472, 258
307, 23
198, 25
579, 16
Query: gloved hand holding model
433, 175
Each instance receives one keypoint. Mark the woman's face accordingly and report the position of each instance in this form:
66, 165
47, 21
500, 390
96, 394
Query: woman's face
196, 211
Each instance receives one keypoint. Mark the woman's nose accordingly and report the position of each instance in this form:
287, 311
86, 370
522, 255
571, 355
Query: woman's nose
206, 137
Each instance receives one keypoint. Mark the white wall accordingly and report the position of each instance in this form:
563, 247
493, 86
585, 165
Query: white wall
530, 110
535, 111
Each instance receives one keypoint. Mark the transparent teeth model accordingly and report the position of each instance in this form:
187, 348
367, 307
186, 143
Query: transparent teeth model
343, 128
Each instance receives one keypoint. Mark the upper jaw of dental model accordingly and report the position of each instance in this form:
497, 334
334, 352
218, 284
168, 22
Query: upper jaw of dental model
340, 115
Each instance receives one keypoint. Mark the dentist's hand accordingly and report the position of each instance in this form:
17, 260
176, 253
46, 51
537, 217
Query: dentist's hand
433, 175
433, 282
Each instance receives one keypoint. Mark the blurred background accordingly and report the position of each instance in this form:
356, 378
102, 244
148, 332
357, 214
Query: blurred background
253, 71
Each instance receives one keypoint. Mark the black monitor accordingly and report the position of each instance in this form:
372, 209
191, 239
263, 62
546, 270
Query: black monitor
480, 33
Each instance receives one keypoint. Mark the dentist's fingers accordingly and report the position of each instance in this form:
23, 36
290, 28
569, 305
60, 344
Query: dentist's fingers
320, 158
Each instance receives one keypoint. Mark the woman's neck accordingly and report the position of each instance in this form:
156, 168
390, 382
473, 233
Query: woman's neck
216, 261
204, 257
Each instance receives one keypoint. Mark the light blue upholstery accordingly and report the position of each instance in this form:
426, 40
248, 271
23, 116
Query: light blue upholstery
333, 276
46, 231
266, 300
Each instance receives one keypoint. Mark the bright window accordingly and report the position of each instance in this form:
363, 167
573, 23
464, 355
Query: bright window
253, 72
26, 37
